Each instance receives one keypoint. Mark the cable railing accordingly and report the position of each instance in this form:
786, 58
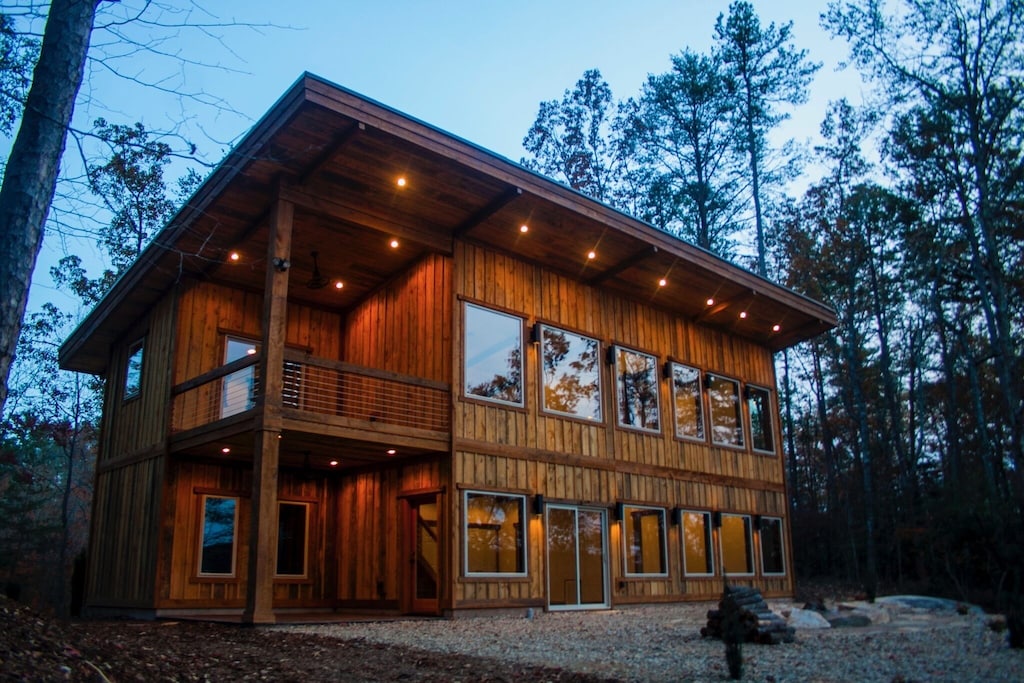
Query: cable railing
318, 386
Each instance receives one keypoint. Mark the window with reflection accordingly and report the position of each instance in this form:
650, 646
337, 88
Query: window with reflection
773, 558
217, 545
292, 526
133, 370
724, 401
736, 549
495, 534
238, 391
687, 402
759, 410
493, 366
570, 373
644, 536
636, 382
698, 556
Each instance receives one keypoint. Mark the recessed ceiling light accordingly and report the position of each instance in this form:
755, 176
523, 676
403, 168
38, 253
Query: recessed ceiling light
225, 450
776, 328
524, 228
662, 282
710, 301
391, 451
591, 254
234, 256
334, 463
339, 284
401, 181
743, 314
393, 243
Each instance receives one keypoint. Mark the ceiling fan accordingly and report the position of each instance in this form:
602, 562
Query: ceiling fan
318, 280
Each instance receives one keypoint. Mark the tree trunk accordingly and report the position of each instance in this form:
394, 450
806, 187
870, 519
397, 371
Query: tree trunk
31, 174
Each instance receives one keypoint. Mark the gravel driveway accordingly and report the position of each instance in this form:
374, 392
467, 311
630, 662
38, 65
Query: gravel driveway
663, 643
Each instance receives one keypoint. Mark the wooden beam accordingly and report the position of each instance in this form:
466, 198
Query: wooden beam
623, 265
330, 151
493, 207
259, 595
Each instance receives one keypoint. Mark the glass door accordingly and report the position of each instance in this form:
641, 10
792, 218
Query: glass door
577, 544
423, 576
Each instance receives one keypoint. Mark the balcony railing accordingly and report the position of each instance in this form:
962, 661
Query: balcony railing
317, 386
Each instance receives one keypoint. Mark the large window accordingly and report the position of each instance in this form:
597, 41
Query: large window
698, 554
687, 402
636, 382
292, 521
495, 534
736, 548
217, 545
133, 370
724, 398
759, 409
773, 558
493, 356
239, 388
644, 536
570, 373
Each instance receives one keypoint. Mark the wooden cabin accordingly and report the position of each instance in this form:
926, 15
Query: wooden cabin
372, 366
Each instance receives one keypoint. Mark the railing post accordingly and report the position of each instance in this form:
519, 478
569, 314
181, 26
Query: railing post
263, 533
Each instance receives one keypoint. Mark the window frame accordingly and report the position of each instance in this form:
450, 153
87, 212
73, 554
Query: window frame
598, 400
203, 498
739, 429
133, 370
702, 416
748, 542
521, 324
524, 542
247, 374
616, 350
782, 544
709, 542
769, 414
305, 541
629, 559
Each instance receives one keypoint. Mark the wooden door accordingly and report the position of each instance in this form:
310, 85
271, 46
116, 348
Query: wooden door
422, 551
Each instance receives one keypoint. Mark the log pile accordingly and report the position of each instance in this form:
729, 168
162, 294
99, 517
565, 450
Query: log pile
759, 624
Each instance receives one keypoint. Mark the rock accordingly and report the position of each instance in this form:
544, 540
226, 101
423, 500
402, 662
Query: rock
849, 621
805, 618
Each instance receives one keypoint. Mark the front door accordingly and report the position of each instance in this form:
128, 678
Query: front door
577, 545
423, 556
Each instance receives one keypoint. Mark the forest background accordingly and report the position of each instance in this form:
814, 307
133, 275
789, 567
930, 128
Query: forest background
903, 428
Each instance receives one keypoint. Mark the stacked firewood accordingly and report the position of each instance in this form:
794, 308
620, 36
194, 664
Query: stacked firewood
758, 623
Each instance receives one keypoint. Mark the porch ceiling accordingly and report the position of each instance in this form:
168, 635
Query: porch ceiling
338, 157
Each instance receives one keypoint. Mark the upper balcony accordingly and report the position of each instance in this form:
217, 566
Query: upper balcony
333, 414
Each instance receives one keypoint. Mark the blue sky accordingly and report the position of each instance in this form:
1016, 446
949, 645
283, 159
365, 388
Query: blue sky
475, 69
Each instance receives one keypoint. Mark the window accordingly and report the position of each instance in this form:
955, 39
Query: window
133, 371
759, 409
772, 556
698, 557
687, 402
239, 388
217, 546
735, 540
495, 534
291, 539
570, 373
643, 533
493, 356
724, 397
636, 381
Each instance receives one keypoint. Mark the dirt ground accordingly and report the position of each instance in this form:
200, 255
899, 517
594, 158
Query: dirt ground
36, 648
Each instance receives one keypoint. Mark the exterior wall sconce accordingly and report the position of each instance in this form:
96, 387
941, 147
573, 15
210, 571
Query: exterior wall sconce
666, 370
618, 512
676, 516
281, 264
538, 504
609, 356
716, 519
535, 333
758, 522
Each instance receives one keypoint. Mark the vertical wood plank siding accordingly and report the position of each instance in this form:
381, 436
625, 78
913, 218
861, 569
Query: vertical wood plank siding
574, 461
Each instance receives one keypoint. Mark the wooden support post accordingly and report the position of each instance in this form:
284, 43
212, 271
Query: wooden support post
259, 593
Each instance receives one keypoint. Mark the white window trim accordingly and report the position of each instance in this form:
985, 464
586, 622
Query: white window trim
522, 358
770, 407
202, 534
305, 544
700, 398
625, 545
782, 542
710, 549
524, 520
543, 383
615, 348
741, 409
749, 539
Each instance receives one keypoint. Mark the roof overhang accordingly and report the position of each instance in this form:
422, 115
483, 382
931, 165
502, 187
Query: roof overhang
336, 155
